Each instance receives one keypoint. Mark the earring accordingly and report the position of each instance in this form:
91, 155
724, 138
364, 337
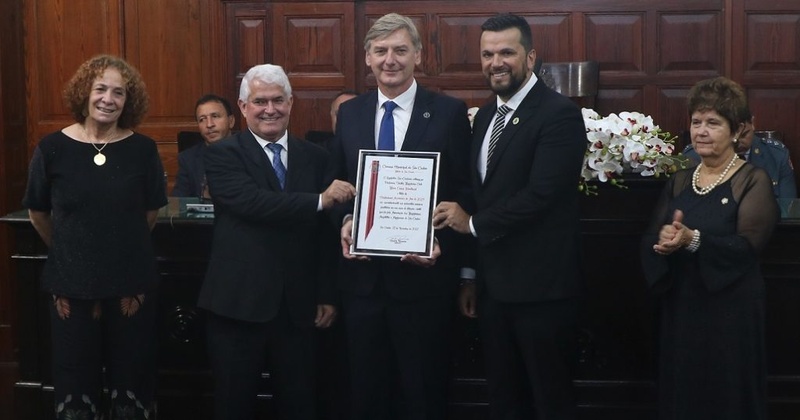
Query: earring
735, 140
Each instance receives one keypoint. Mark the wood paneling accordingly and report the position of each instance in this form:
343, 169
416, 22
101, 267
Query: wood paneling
689, 43
650, 53
316, 48
13, 171
616, 42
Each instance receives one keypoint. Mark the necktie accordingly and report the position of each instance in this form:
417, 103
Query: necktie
277, 164
497, 130
386, 134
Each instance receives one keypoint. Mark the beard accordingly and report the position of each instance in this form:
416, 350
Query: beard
507, 90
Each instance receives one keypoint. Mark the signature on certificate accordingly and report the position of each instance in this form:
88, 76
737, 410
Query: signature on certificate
397, 240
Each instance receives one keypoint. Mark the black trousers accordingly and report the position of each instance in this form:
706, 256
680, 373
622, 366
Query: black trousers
530, 351
398, 356
239, 352
97, 334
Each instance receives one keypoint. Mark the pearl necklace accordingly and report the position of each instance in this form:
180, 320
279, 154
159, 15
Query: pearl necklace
707, 189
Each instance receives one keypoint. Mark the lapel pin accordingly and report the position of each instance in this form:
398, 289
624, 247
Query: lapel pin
724, 200
515, 121
426, 114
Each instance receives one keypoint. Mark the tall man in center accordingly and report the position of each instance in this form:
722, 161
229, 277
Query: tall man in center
397, 311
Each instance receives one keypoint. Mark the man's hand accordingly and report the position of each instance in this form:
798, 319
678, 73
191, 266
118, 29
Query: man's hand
450, 214
467, 297
338, 192
424, 261
346, 236
326, 314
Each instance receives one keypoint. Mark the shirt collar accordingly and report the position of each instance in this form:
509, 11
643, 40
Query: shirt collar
283, 141
404, 100
516, 100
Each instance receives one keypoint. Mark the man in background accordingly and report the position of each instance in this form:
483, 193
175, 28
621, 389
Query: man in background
341, 98
215, 120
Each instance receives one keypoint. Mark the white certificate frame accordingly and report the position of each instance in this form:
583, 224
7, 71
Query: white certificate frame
393, 212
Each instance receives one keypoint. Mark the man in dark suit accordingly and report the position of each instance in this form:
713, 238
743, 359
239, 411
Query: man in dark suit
397, 311
267, 284
525, 164
215, 121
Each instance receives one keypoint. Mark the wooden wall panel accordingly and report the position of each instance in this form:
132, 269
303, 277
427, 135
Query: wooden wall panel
689, 43
59, 37
168, 46
174, 47
248, 28
616, 42
316, 47
673, 112
773, 42
13, 165
650, 53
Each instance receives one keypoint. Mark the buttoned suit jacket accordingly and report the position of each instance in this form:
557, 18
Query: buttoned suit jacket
438, 123
269, 246
527, 207
189, 181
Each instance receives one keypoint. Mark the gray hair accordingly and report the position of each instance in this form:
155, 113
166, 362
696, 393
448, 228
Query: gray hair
267, 73
387, 25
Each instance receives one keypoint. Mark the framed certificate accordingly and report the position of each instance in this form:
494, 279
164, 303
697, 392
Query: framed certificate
394, 205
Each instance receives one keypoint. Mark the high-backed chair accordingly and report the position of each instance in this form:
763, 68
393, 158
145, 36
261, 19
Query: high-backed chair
187, 139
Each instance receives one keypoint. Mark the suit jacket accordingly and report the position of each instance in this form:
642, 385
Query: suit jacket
438, 124
191, 172
527, 218
772, 156
270, 246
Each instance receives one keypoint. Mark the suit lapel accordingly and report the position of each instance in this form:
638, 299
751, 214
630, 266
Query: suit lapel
525, 112
259, 159
367, 127
420, 117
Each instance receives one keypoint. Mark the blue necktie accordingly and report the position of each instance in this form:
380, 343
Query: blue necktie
386, 135
277, 163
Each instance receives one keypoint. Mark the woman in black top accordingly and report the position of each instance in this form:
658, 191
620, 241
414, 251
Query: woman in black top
94, 190
700, 256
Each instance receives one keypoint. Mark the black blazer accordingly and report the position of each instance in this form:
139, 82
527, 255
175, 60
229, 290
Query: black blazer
438, 124
268, 244
527, 217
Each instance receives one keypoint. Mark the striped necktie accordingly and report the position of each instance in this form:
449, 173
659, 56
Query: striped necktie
497, 130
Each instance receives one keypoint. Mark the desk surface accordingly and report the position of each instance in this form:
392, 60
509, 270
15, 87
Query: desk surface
173, 213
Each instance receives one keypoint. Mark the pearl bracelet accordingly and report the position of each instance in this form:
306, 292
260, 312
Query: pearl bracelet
695, 242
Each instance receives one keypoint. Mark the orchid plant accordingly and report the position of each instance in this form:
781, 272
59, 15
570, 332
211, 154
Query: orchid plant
628, 142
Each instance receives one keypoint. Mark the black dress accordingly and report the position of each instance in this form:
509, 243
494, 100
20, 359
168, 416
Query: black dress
712, 362
101, 240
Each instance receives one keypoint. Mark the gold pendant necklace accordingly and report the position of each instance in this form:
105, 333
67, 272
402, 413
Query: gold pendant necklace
99, 158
